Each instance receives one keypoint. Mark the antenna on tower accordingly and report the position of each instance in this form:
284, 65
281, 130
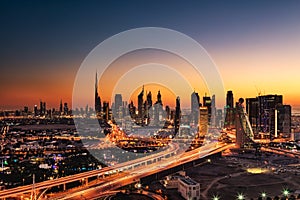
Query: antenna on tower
258, 91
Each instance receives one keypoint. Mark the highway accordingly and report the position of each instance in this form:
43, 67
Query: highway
133, 170
132, 176
127, 172
173, 148
281, 151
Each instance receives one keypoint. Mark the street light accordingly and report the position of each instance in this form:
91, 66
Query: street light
240, 196
216, 197
263, 195
285, 192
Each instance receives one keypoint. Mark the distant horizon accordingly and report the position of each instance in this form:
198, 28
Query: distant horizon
295, 108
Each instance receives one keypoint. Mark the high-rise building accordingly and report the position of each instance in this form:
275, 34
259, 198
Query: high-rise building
26, 109
168, 113
203, 121
240, 124
35, 110
219, 118
60, 107
252, 109
229, 99
149, 99
284, 114
106, 110
118, 106
148, 107
132, 110
207, 103
177, 115
229, 122
66, 109
97, 98
268, 116
141, 105
158, 109
213, 111
195, 103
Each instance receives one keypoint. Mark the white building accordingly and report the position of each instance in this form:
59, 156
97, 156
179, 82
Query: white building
188, 188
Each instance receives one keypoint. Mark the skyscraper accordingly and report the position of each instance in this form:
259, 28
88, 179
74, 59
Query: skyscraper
252, 109
229, 99
60, 107
213, 111
268, 116
148, 107
35, 110
203, 121
266, 119
66, 109
141, 105
118, 106
159, 101
244, 132
97, 98
229, 122
177, 115
149, 99
106, 110
132, 110
207, 103
284, 114
195, 103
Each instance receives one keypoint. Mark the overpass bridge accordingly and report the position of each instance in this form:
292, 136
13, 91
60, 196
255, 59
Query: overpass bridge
129, 171
152, 171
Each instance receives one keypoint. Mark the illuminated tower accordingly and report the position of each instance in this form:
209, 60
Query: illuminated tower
244, 132
106, 111
140, 105
203, 121
207, 103
60, 107
213, 111
148, 109
159, 98
284, 113
118, 106
97, 98
252, 109
177, 115
229, 99
267, 118
195, 103
229, 111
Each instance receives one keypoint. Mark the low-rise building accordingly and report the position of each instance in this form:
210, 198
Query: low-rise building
188, 188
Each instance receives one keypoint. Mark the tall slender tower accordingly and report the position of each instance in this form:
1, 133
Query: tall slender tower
97, 98
60, 107
140, 104
159, 101
195, 103
177, 115
229, 99
118, 106
229, 111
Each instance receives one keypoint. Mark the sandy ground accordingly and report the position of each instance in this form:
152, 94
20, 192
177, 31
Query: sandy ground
227, 177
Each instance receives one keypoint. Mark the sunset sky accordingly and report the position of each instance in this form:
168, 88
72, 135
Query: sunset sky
254, 44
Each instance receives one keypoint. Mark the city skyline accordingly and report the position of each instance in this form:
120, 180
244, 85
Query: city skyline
255, 45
